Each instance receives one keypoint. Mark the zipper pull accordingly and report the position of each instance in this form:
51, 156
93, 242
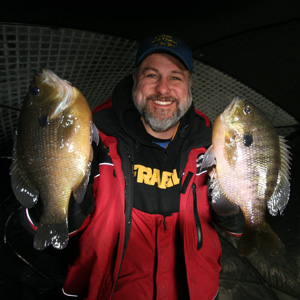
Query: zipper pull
165, 225
197, 219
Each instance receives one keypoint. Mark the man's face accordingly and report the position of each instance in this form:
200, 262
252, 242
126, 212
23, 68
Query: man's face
162, 91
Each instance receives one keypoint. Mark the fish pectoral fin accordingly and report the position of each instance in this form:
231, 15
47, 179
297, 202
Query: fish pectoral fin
280, 197
23, 189
208, 159
79, 192
220, 203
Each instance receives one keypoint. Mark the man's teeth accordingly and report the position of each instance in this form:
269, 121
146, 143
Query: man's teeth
163, 102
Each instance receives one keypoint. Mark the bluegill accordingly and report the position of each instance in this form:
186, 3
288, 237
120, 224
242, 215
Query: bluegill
252, 173
52, 154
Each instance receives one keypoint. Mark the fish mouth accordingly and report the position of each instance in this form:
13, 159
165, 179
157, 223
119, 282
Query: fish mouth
57, 94
231, 112
41, 74
230, 109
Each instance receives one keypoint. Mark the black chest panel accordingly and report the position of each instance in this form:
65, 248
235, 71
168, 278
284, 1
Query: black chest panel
157, 179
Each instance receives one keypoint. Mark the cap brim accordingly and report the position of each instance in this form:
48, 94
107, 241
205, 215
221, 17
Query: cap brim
161, 49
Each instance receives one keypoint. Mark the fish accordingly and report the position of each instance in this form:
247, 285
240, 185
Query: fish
251, 173
52, 154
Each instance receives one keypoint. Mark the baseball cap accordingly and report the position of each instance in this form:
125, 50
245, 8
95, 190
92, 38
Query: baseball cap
167, 44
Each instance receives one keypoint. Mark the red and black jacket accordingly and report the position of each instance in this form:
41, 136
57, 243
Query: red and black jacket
117, 159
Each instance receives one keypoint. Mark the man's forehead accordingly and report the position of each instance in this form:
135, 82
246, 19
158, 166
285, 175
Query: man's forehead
158, 61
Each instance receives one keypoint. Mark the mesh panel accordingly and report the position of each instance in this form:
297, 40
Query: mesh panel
214, 90
95, 63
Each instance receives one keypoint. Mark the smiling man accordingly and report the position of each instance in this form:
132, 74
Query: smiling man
162, 93
151, 234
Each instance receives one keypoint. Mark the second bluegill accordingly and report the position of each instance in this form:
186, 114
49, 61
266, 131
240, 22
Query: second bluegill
252, 173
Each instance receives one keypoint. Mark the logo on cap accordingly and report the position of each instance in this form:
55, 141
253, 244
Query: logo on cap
165, 43
164, 40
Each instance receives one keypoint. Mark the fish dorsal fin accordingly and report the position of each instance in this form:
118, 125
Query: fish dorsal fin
220, 203
280, 197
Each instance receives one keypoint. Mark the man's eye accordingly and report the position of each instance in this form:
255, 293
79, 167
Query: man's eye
151, 75
176, 78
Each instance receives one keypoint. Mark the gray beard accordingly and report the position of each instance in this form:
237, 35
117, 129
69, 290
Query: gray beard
162, 124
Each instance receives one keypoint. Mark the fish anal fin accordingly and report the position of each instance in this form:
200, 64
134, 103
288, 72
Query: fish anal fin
79, 191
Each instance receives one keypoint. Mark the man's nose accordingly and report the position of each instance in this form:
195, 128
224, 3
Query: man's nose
163, 86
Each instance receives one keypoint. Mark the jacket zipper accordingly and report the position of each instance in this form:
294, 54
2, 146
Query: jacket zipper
127, 222
195, 207
197, 219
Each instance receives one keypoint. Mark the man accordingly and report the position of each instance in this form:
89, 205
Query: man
151, 233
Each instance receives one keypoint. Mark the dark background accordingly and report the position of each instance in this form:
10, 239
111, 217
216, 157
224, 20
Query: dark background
256, 42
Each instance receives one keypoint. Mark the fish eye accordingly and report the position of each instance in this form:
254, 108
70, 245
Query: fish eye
247, 110
35, 90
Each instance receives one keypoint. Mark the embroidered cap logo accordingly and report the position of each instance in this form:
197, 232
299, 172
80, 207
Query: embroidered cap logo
164, 40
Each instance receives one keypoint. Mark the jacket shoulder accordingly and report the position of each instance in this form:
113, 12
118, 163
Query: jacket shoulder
106, 104
201, 114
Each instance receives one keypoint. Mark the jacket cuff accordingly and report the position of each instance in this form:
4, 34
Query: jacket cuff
233, 224
33, 223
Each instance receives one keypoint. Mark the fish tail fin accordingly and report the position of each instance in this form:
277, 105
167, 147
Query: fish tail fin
48, 233
265, 238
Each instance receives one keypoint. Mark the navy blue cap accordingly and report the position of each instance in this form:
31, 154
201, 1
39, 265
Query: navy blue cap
167, 44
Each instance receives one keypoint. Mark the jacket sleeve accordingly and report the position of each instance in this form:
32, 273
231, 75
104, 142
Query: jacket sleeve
233, 224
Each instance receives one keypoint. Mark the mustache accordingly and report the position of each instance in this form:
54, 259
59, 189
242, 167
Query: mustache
162, 98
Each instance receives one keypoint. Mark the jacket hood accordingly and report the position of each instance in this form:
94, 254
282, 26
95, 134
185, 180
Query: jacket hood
192, 125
